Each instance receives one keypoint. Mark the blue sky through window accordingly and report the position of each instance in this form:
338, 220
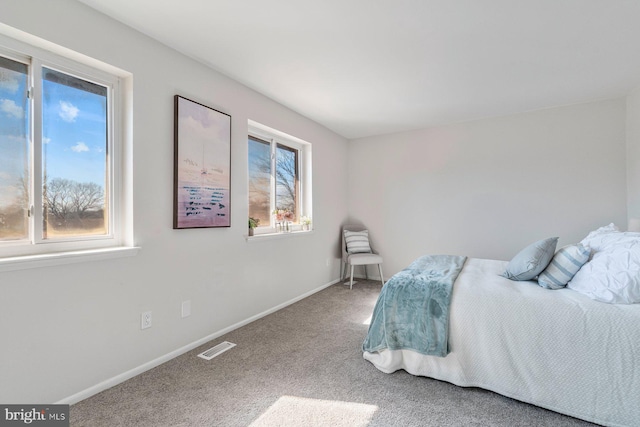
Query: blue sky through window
14, 125
74, 132
74, 129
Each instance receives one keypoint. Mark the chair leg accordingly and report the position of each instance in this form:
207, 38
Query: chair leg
351, 282
381, 276
366, 273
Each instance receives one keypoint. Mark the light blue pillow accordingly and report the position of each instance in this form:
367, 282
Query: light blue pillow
564, 265
532, 260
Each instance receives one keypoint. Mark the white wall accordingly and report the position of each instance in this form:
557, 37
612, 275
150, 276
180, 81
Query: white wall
633, 157
487, 188
67, 328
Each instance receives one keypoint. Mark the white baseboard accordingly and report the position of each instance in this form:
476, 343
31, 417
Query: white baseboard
75, 398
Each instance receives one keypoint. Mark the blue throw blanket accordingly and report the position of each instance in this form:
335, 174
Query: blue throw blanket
412, 311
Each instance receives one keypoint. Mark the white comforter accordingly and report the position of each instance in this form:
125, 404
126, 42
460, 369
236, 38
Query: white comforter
556, 349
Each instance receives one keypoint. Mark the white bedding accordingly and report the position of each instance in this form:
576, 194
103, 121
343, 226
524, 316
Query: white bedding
556, 349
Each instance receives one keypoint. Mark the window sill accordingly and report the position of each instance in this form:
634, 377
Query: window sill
61, 258
272, 236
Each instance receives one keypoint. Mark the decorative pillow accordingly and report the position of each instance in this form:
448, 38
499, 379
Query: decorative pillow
530, 261
357, 241
564, 265
613, 274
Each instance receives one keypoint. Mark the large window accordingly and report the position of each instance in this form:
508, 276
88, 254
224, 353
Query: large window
279, 179
58, 154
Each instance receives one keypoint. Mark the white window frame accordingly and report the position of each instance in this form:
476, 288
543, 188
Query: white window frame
36, 251
275, 138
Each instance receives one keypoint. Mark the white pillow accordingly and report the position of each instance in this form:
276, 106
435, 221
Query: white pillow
613, 274
564, 265
596, 240
357, 241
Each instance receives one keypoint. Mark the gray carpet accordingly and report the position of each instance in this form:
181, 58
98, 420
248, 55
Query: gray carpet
301, 366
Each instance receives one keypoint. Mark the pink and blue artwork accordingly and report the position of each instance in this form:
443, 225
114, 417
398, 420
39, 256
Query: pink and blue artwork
202, 176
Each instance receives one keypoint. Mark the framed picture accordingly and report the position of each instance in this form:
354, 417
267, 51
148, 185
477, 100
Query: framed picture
202, 166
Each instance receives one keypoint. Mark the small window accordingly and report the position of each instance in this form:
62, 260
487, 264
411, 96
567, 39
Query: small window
59, 150
279, 180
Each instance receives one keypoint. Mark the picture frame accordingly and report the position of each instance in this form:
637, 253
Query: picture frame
202, 166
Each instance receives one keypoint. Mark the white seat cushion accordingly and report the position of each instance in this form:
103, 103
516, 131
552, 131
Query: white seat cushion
363, 259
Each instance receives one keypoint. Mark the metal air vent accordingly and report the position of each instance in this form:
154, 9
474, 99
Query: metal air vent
217, 350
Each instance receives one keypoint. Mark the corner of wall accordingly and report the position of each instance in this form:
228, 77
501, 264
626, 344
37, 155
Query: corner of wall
632, 130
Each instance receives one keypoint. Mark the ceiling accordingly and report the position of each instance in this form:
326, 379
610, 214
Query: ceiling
370, 67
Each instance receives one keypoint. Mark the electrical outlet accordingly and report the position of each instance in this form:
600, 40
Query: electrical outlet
145, 321
186, 308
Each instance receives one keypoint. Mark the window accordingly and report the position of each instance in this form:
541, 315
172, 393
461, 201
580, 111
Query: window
59, 154
279, 179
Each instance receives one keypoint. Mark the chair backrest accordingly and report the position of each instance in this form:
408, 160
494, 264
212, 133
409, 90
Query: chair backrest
351, 227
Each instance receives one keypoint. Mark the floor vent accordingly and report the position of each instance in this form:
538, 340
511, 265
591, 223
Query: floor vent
217, 350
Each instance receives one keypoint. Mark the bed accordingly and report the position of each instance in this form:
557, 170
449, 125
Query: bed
557, 349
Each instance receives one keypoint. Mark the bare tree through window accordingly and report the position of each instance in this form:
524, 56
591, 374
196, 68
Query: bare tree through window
72, 205
260, 176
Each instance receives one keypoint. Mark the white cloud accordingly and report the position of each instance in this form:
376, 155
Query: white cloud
80, 147
8, 81
46, 140
9, 107
68, 112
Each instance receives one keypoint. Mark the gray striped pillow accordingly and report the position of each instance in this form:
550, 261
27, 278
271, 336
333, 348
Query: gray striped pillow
564, 265
357, 241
